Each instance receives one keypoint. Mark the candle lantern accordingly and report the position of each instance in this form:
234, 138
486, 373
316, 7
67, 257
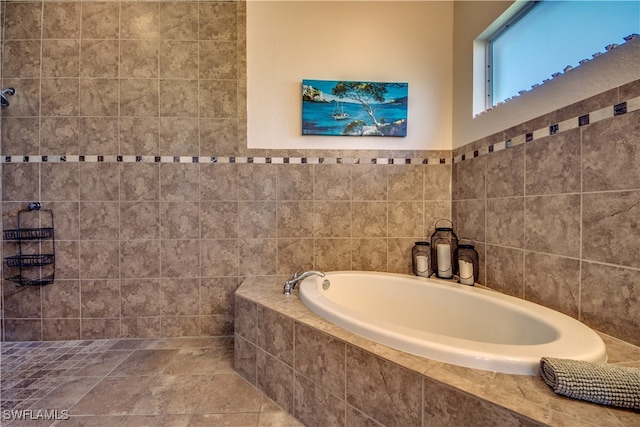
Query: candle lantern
467, 261
420, 255
444, 243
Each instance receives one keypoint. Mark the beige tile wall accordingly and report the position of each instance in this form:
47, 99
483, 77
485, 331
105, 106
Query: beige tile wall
1, 62
150, 249
157, 249
557, 217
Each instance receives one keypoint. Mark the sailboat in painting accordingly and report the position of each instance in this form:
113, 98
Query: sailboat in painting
338, 112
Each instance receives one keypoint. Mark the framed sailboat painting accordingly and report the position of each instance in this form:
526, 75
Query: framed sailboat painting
354, 108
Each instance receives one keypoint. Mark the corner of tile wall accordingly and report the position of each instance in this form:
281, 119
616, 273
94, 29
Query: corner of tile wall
552, 211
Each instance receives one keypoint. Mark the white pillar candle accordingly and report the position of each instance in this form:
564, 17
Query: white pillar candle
445, 268
466, 272
422, 265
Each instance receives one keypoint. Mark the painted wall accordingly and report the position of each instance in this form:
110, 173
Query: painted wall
608, 71
375, 41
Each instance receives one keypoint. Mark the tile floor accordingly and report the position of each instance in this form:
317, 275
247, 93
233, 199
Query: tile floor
187, 382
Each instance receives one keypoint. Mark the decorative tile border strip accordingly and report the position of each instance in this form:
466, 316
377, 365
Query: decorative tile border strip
595, 116
226, 160
556, 128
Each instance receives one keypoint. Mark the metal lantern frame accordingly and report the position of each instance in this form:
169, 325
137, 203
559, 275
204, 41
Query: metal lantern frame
421, 249
466, 252
444, 235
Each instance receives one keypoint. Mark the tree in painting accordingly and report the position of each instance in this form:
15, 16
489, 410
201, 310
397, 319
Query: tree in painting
356, 127
367, 94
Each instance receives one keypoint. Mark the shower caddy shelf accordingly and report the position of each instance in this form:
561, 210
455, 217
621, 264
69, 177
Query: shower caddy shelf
27, 263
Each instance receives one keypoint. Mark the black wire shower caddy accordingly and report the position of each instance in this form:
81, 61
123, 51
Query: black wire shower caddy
35, 237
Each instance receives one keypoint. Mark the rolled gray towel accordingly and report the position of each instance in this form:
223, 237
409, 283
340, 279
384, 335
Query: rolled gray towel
594, 382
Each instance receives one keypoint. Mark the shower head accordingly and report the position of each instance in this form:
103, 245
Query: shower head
3, 96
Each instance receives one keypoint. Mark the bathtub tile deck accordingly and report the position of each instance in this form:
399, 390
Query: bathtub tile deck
182, 382
453, 395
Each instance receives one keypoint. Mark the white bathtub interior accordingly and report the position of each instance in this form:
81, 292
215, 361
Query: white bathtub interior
449, 322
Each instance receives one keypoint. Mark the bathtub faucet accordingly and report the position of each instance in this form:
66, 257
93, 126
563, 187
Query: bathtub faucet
298, 277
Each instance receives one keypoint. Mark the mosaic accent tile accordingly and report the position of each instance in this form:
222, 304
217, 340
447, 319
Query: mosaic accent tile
583, 120
619, 109
601, 114
555, 129
224, 159
633, 104
568, 125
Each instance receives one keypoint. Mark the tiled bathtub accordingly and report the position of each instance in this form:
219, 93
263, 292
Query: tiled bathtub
326, 376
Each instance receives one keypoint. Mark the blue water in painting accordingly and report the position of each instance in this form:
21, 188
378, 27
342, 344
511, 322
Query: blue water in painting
317, 119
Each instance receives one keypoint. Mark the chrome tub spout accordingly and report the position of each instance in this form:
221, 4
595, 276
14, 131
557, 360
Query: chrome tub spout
3, 96
298, 277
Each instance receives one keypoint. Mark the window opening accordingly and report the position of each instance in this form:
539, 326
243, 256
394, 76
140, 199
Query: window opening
539, 40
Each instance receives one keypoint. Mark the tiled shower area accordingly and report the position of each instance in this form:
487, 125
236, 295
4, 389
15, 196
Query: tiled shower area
129, 123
